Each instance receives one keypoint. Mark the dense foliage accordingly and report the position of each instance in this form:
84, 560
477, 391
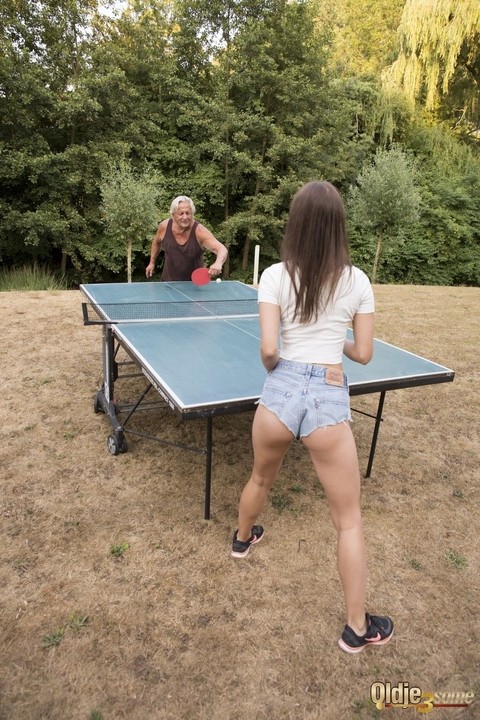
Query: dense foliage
106, 115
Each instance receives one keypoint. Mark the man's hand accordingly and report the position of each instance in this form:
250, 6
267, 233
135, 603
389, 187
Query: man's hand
215, 270
150, 270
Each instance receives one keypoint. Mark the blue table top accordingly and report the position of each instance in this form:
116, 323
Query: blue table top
215, 361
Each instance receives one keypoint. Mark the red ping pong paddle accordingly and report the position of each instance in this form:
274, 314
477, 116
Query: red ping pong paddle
201, 276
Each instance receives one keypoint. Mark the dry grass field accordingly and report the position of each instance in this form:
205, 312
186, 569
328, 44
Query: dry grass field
119, 602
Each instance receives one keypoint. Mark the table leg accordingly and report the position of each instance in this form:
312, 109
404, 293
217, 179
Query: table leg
208, 467
378, 420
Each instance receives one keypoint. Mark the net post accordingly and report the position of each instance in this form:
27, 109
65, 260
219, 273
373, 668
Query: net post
255, 265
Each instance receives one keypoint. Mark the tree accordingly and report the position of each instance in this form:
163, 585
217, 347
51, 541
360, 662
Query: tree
449, 183
42, 56
267, 123
233, 102
130, 210
439, 58
364, 34
77, 90
384, 200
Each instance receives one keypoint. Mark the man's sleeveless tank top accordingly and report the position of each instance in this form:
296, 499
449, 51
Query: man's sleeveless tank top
180, 260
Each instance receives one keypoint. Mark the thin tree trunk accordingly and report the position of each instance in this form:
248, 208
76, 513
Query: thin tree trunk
129, 261
63, 263
376, 262
248, 239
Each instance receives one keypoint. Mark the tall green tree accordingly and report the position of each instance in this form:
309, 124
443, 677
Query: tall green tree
364, 34
78, 89
130, 211
384, 200
43, 177
267, 124
439, 59
449, 225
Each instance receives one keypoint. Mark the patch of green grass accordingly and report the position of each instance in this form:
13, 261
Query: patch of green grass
119, 550
77, 622
20, 564
280, 501
31, 277
69, 433
296, 488
457, 560
54, 638
71, 523
96, 715
364, 708
415, 564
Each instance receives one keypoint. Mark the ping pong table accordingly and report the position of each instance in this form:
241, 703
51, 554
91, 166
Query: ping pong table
198, 347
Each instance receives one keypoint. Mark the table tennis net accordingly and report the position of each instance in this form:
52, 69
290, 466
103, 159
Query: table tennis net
111, 313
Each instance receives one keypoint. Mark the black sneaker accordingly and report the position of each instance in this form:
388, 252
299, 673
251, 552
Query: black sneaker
241, 548
379, 632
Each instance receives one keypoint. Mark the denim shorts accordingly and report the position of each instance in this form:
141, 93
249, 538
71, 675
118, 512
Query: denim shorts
303, 397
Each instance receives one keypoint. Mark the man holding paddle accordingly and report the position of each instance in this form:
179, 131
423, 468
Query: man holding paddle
183, 241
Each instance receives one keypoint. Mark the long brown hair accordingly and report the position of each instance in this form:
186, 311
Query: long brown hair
315, 247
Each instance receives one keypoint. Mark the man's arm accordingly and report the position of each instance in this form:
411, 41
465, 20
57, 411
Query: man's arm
208, 241
155, 249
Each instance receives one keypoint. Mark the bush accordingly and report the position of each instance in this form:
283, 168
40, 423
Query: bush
31, 277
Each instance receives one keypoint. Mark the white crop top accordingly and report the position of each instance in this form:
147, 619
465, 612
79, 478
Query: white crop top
319, 341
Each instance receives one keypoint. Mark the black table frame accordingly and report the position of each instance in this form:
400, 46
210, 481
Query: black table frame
104, 402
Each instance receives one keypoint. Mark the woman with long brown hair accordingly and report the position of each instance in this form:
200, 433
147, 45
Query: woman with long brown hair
307, 301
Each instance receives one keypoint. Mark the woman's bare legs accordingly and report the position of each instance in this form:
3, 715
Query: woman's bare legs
334, 456
270, 443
